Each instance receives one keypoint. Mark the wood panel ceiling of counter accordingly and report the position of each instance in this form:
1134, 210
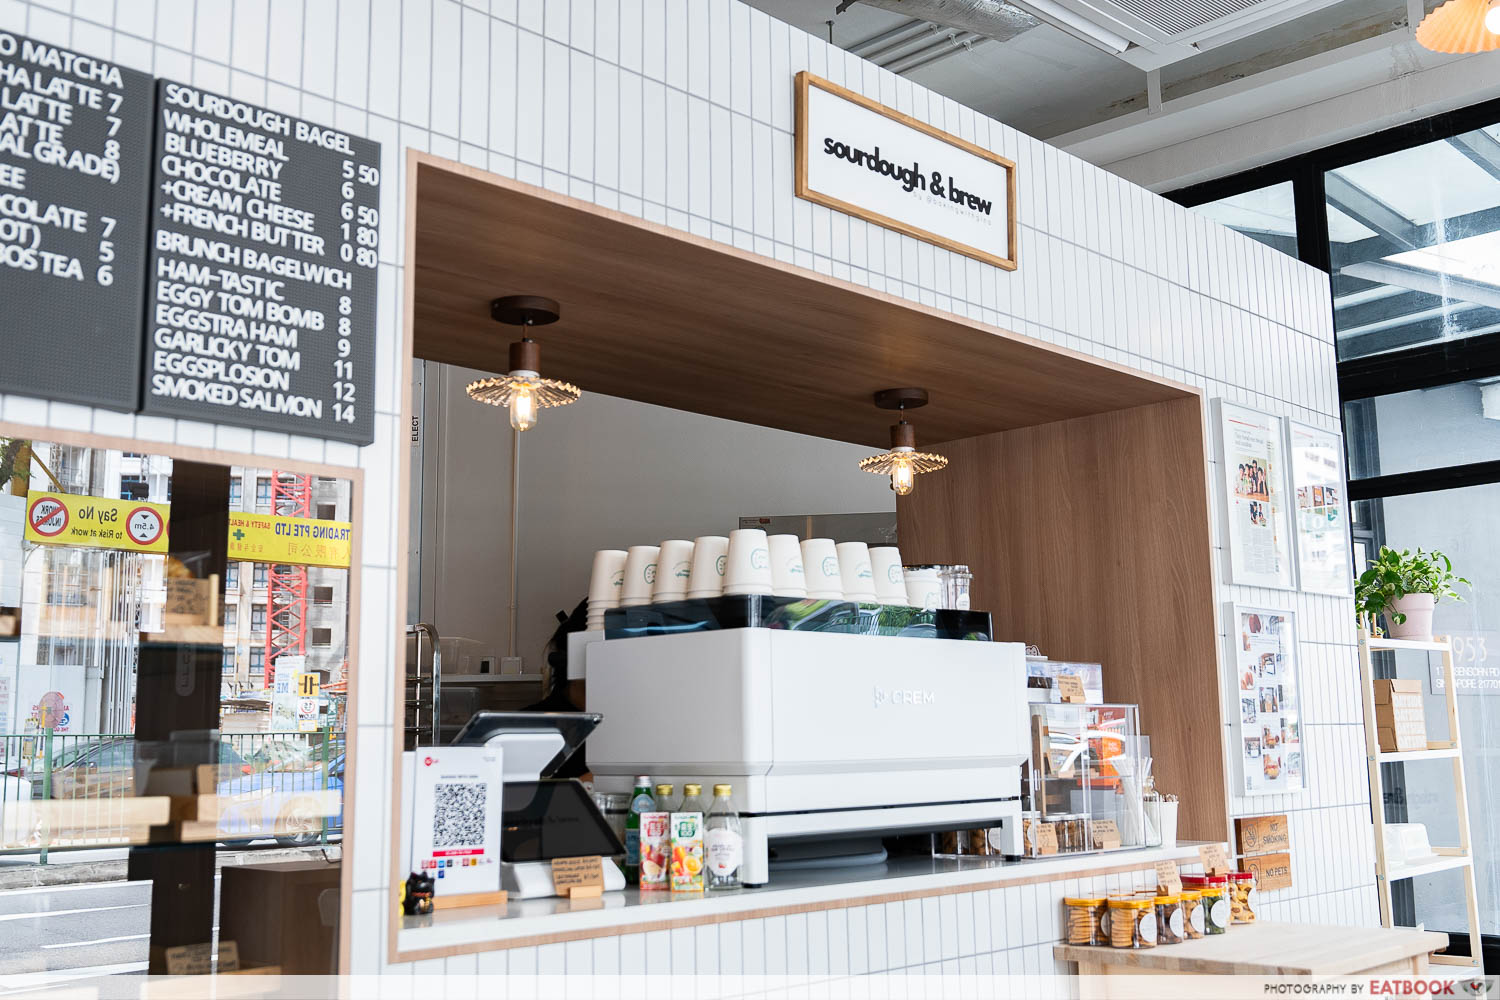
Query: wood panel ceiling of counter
665, 317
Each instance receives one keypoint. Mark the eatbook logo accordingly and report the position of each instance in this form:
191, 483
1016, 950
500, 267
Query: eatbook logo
903, 696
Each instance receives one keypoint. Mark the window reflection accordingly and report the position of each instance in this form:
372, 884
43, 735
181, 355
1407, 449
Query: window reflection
1266, 215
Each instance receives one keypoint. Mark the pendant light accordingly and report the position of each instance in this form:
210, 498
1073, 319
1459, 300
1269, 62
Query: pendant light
523, 390
903, 463
1462, 26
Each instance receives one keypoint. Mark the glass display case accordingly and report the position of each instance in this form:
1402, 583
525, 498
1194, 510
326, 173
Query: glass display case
1085, 786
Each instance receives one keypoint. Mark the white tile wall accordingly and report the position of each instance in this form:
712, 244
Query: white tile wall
680, 111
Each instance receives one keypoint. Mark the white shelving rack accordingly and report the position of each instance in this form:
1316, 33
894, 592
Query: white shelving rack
1451, 749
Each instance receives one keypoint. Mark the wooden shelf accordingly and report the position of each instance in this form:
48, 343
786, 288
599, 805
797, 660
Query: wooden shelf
1431, 647
1438, 864
1431, 753
1460, 960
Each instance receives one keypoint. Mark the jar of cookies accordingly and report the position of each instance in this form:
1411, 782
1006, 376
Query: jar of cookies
1242, 897
1192, 913
1085, 919
1132, 923
1169, 926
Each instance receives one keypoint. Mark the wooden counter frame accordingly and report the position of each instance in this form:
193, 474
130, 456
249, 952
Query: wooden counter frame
1034, 430
355, 476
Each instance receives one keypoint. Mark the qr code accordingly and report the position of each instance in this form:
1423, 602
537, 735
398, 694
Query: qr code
458, 814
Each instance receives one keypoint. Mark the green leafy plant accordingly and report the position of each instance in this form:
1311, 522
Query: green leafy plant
1394, 575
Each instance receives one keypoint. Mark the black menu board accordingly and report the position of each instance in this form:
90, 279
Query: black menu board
75, 162
261, 309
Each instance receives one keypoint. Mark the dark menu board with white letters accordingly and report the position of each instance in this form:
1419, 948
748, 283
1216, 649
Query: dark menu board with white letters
75, 167
261, 305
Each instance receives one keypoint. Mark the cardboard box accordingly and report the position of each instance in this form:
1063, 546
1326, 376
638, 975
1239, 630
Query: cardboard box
1400, 721
1259, 834
272, 912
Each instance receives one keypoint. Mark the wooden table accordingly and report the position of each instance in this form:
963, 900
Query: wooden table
1265, 949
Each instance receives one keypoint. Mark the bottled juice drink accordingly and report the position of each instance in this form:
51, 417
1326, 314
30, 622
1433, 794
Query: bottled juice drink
722, 840
687, 842
656, 849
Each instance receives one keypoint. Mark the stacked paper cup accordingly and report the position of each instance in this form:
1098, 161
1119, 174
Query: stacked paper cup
820, 566
854, 566
710, 555
605, 583
748, 567
673, 566
890, 579
640, 575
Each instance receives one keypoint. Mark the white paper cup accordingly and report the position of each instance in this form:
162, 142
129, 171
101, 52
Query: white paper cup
854, 567
923, 587
640, 575
606, 581
748, 568
673, 564
890, 579
820, 565
787, 577
710, 554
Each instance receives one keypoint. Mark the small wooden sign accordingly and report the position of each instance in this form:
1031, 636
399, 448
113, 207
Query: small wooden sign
1070, 689
1104, 833
197, 959
578, 877
1046, 838
1272, 871
1167, 878
1259, 834
1214, 861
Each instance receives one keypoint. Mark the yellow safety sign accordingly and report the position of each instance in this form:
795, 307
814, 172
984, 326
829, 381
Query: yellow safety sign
307, 685
294, 541
96, 522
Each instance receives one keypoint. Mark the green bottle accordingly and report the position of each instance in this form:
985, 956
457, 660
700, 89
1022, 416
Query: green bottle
640, 802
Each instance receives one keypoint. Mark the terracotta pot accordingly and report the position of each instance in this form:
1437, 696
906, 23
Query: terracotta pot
1418, 611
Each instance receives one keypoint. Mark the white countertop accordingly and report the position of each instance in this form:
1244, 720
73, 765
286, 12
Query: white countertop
534, 921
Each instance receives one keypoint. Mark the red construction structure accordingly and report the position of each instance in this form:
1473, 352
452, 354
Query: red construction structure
286, 586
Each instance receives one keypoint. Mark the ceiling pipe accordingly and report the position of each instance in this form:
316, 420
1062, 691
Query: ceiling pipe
911, 29
951, 46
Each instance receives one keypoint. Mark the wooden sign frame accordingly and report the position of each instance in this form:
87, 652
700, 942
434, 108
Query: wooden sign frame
805, 79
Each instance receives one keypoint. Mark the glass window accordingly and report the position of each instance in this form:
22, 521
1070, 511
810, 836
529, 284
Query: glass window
257, 659
1415, 244
328, 512
322, 637
134, 488
263, 492
261, 574
322, 595
1453, 424
1267, 216
236, 491
229, 659
232, 577
257, 617
231, 615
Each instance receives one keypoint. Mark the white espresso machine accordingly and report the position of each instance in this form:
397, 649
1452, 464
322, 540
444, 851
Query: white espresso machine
823, 736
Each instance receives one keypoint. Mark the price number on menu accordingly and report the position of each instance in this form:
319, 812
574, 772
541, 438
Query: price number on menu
359, 231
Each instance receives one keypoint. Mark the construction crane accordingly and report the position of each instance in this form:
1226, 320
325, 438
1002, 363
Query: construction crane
286, 586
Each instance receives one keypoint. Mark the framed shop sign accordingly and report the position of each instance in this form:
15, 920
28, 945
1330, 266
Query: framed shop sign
1321, 510
1252, 459
1263, 648
861, 157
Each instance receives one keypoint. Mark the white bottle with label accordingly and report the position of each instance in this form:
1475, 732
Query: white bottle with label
723, 845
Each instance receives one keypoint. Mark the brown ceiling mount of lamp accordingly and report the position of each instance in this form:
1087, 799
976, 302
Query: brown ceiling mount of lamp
903, 463
522, 389
1462, 26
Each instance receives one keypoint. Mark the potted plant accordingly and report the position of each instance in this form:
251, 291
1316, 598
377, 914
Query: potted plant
1405, 587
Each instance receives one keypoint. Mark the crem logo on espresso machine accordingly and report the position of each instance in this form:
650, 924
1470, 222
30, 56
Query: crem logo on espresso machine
903, 696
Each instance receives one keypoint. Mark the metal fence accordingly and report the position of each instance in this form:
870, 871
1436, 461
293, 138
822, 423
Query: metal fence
74, 790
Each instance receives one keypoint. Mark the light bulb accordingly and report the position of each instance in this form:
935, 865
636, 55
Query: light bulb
903, 479
1492, 19
522, 408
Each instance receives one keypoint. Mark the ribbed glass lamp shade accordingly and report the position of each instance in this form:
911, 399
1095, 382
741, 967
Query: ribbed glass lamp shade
1458, 26
523, 393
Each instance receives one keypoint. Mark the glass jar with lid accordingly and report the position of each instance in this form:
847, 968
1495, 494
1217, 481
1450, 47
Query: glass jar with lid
1086, 924
1242, 897
1132, 923
1169, 923
1215, 909
1192, 913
